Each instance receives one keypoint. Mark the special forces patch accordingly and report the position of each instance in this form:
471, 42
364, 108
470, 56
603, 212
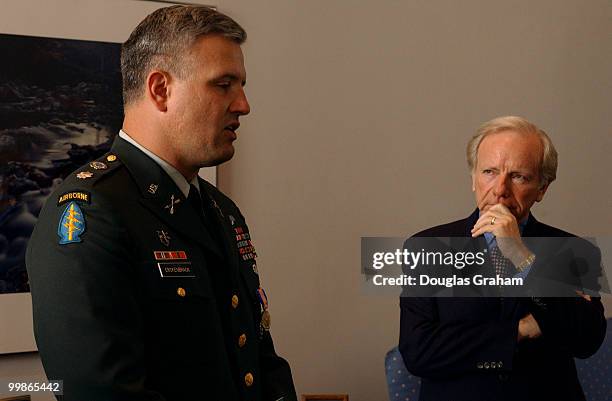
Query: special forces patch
71, 225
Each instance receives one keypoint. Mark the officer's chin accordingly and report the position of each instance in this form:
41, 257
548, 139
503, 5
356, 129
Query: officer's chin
220, 157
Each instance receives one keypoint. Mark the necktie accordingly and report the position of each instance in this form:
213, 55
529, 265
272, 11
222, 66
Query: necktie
196, 201
503, 267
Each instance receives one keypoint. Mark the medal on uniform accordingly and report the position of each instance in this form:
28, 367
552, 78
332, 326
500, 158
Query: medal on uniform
265, 320
264, 324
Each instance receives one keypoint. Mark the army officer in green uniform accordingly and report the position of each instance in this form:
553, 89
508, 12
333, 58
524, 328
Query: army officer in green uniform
144, 278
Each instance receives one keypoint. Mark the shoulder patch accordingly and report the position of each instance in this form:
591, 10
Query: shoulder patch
71, 225
79, 196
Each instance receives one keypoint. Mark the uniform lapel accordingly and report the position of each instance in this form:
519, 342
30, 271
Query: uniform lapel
161, 195
227, 231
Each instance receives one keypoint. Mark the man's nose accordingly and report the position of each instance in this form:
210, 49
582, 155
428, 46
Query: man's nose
500, 188
240, 105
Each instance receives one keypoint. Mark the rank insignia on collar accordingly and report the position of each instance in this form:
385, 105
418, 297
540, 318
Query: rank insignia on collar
71, 225
84, 174
153, 188
173, 202
164, 237
97, 165
215, 205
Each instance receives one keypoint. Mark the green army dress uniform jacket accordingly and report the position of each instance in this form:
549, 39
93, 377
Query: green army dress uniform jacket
138, 296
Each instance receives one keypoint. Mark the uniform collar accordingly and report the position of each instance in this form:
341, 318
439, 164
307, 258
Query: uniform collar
161, 194
172, 172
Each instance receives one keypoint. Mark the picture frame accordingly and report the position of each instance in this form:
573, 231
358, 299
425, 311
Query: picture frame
325, 397
17, 398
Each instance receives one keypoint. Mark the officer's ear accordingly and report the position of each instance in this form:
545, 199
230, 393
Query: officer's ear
158, 89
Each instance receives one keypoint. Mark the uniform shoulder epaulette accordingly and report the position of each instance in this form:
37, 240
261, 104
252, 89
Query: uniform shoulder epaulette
88, 174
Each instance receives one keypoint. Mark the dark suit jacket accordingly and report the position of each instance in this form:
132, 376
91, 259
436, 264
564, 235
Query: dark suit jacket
467, 349
116, 318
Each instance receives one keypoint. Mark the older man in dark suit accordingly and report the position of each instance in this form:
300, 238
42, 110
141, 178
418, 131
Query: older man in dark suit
494, 349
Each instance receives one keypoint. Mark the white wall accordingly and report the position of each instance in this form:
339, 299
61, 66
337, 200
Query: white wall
360, 115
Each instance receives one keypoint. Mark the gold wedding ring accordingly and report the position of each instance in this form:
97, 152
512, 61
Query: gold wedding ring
493, 220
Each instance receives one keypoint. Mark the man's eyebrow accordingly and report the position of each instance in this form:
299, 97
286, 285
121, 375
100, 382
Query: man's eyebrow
231, 77
522, 171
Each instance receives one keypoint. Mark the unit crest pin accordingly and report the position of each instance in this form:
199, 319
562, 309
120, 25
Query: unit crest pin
164, 237
173, 202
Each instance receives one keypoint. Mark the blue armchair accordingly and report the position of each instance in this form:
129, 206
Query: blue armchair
402, 385
595, 374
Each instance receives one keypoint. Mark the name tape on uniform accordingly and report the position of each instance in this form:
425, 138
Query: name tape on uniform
176, 269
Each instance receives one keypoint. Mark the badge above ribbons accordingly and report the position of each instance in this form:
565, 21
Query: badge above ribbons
71, 225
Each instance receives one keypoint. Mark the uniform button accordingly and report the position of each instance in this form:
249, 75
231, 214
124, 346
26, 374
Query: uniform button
479, 365
181, 292
248, 379
242, 340
486, 365
234, 301
111, 158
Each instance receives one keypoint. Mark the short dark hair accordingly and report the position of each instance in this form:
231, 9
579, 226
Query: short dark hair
162, 39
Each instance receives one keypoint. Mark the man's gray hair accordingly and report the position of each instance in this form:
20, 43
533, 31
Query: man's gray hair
548, 167
163, 39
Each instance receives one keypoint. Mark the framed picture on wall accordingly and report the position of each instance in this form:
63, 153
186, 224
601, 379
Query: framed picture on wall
60, 107
17, 398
